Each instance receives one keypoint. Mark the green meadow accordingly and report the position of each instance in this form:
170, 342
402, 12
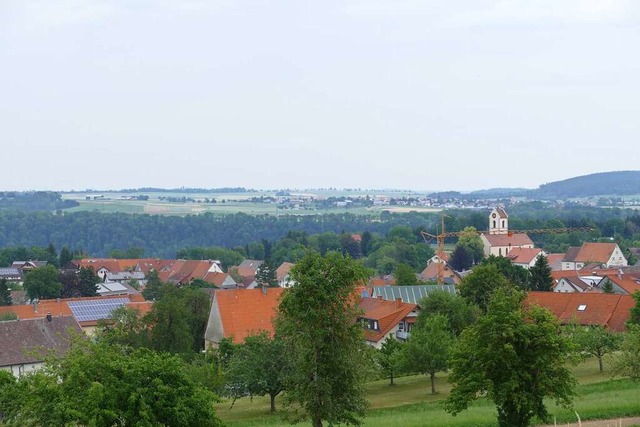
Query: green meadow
410, 403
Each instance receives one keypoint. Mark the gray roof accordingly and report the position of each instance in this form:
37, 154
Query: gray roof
9, 272
25, 341
125, 275
409, 294
571, 254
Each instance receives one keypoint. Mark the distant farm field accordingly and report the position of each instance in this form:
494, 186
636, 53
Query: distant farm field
170, 203
410, 403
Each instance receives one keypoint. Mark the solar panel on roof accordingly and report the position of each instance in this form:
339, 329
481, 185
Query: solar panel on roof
92, 310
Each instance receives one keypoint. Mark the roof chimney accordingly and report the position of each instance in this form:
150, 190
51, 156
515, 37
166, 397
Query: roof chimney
35, 305
264, 289
49, 317
619, 273
398, 302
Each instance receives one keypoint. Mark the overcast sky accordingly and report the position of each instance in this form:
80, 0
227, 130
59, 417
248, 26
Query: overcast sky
412, 94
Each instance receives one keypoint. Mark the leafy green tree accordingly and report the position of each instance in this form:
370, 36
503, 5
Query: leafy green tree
316, 321
595, 341
104, 385
540, 278
428, 348
468, 251
515, 274
405, 275
627, 363
388, 357
458, 311
124, 327
42, 283
514, 356
266, 275
258, 366
178, 320
478, 286
5, 293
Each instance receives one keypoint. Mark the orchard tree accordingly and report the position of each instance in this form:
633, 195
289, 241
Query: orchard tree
43, 283
515, 274
515, 357
388, 357
428, 348
595, 341
258, 366
627, 363
317, 322
540, 278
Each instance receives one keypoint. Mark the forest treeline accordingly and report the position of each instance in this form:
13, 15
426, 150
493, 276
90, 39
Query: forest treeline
99, 234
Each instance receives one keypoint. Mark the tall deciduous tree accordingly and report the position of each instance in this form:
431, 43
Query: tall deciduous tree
153, 286
405, 276
540, 278
317, 321
43, 283
468, 251
458, 311
478, 286
514, 356
428, 348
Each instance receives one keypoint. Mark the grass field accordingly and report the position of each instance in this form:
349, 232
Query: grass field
410, 403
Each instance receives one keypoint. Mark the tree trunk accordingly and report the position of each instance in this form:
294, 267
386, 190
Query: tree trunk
433, 382
273, 403
600, 362
391, 378
317, 422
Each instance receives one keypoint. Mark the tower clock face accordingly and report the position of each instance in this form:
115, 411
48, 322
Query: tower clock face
493, 215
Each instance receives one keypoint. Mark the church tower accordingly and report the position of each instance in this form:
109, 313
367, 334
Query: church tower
498, 221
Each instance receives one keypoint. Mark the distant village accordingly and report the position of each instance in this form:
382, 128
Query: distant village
593, 284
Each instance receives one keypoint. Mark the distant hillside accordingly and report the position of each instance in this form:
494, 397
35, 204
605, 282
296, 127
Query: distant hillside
597, 184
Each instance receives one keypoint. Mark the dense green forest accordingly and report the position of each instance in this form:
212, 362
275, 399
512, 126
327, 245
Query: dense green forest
34, 201
100, 234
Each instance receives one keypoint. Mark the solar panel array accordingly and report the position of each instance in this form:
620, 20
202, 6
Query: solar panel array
409, 294
85, 311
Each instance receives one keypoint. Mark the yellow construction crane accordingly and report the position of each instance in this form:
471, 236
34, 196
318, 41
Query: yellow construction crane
443, 235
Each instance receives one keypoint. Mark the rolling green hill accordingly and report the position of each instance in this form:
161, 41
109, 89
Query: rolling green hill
598, 184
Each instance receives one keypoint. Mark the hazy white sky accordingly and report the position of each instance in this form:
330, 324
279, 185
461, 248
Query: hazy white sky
413, 94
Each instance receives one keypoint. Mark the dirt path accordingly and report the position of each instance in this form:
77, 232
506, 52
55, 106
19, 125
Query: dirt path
617, 422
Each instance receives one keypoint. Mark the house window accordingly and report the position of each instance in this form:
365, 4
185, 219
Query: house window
582, 307
494, 224
370, 324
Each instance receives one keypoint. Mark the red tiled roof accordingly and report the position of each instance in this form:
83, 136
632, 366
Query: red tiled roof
247, 311
283, 270
216, 278
510, 239
555, 260
523, 255
58, 308
502, 213
387, 313
630, 284
596, 252
608, 310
